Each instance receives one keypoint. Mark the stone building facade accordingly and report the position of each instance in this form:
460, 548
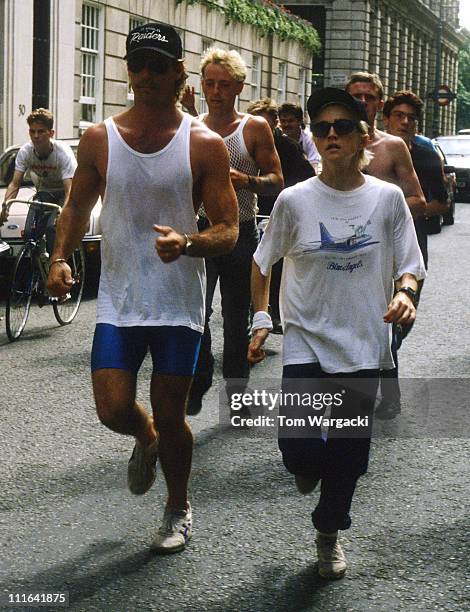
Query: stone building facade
67, 55
401, 40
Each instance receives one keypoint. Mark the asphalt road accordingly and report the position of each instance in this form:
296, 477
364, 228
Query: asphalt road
68, 522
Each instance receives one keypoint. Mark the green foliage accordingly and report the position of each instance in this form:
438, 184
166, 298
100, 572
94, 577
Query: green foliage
463, 90
267, 17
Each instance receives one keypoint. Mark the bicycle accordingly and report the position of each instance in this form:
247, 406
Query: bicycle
30, 271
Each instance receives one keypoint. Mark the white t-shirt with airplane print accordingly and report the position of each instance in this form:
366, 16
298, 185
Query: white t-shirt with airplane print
341, 250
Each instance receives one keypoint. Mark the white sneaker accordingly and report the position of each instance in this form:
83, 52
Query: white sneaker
141, 470
175, 532
331, 559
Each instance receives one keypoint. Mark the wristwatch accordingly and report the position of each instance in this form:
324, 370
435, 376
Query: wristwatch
186, 249
411, 293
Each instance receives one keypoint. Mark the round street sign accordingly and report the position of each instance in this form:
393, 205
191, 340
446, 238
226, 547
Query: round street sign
444, 95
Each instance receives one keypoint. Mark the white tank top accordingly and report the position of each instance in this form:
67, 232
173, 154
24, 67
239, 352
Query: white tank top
143, 189
241, 160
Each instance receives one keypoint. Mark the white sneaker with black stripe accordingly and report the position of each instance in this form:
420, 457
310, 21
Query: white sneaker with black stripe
175, 531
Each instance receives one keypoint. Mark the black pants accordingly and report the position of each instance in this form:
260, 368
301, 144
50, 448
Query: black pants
42, 221
337, 461
233, 271
389, 385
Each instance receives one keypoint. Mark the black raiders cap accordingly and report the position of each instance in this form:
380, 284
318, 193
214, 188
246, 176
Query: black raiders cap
158, 37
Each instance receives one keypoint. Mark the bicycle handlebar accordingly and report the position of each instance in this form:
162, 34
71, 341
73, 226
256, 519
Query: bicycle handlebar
29, 202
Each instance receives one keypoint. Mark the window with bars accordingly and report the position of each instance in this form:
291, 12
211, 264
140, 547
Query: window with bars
135, 22
302, 91
256, 77
90, 62
281, 82
206, 45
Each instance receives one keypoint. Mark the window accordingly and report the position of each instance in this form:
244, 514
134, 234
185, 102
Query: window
134, 22
206, 44
256, 77
281, 82
90, 75
41, 53
302, 91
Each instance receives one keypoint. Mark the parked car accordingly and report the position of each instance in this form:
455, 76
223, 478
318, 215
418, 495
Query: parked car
457, 152
13, 230
451, 184
434, 223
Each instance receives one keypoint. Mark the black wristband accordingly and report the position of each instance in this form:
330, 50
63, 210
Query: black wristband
411, 293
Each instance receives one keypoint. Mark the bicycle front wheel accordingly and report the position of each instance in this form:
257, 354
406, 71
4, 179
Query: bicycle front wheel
21, 292
66, 311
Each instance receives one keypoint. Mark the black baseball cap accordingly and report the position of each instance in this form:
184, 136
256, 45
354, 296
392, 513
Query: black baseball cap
333, 95
157, 37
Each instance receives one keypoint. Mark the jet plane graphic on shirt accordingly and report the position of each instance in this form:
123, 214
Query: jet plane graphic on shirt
358, 240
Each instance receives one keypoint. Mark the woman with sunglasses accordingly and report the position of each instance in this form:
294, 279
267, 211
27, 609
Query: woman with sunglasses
343, 236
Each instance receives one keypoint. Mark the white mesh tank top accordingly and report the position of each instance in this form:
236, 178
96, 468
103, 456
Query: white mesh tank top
241, 160
143, 189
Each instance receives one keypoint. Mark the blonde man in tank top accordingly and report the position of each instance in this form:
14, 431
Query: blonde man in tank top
152, 165
255, 169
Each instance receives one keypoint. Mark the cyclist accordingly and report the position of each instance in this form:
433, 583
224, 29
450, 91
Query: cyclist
51, 164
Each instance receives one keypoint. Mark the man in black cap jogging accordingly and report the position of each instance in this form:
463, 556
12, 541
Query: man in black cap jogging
152, 165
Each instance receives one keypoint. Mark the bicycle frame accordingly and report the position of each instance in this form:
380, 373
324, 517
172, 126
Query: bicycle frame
37, 242
31, 271
40, 203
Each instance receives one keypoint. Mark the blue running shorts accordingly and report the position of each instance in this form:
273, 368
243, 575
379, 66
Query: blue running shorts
174, 350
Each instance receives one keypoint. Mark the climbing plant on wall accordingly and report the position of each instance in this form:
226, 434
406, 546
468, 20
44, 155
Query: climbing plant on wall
267, 17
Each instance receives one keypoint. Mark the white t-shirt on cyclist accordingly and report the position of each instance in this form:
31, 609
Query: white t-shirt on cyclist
47, 173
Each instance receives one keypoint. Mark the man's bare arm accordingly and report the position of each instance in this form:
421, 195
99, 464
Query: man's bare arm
11, 192
67, 186
210, 163
220, 202
75, 216
260, 140
436, 207
407, 179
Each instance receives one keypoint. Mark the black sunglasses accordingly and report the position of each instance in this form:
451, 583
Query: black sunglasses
157, 65
340, 126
